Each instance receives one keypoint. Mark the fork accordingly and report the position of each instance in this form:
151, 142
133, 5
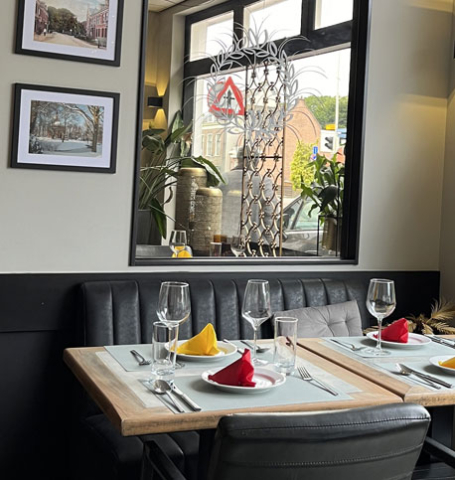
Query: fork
139, 358
305, 374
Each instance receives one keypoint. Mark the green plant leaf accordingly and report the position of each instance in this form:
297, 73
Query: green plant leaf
159, 216
152, 131
328, 195
154, 144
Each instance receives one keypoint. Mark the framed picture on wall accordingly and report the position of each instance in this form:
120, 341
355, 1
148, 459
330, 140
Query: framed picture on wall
78, 30
64, 129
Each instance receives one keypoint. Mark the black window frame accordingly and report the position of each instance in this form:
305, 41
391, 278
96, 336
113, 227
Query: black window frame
354, 33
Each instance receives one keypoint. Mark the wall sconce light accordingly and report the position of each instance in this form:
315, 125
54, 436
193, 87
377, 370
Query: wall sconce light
155, 102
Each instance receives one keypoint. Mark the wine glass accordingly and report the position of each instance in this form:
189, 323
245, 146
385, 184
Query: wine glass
178, 241
381, 302
238, 245
174, 308
256, 309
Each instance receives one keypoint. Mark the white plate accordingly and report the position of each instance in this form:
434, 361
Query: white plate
265, 380
442, 358
225, 351
414, 341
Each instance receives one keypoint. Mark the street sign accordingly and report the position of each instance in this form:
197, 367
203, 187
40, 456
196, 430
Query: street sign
226, 99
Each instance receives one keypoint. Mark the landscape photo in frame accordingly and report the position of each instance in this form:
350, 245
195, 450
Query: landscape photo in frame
64, 129
79, 30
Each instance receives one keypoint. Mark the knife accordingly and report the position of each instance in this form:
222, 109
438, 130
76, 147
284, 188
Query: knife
441, 341
428, 377
194, 406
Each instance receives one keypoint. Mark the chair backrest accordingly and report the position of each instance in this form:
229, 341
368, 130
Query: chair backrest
380, 443
122, 312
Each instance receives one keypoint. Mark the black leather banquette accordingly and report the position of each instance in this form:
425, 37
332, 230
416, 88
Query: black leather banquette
122, 312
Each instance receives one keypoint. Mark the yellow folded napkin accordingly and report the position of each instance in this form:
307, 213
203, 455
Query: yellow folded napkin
450, 363
204, 343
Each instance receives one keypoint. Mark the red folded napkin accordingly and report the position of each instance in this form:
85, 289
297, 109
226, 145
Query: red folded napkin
396, 332
240, 373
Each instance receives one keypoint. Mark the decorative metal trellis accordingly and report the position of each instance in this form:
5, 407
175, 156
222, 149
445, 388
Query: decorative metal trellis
271, 93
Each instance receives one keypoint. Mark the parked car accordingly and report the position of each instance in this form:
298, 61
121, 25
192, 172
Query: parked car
300, 230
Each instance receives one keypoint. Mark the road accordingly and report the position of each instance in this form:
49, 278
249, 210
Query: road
62, 39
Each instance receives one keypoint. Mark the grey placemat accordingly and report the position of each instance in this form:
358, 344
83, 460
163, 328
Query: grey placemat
430, 350
418, 358
122, 353
294, 391
210, 398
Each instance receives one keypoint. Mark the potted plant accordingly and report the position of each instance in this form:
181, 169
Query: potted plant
326, 192
168, 153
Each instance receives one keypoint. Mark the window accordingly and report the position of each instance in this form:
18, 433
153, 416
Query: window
321, 122
236, 110
332, 12
209, 151
217, 144
281, 18
208, 35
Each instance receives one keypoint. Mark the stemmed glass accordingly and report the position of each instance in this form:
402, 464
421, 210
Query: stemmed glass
381, 302
256, 309
238, 245
174, 308
178, 241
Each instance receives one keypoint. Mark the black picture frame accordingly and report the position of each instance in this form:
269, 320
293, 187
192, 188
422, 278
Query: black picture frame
23, 48
21, 157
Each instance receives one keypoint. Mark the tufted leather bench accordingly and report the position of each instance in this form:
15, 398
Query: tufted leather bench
122, 312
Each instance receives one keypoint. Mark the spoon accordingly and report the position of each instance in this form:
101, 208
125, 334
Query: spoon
348, 345
161, 387
258, 348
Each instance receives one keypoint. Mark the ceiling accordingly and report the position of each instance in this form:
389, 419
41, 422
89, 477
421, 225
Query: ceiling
159, 5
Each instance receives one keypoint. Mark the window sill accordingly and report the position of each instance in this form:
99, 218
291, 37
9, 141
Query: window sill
143, 262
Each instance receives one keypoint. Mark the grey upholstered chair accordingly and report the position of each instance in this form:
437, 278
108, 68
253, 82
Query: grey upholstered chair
381, 443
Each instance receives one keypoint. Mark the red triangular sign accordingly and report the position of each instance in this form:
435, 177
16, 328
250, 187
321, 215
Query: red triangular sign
228, 85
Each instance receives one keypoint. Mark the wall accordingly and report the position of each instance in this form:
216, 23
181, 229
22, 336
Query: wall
65, 221
447, 252
77, 222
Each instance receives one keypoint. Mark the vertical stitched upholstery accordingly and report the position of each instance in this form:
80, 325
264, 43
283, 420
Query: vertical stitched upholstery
122, 312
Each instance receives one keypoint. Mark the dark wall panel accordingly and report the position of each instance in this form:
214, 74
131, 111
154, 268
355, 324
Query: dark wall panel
34, 406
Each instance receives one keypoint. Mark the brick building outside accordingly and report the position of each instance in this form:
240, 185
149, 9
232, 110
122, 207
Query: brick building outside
41, 17
97, 24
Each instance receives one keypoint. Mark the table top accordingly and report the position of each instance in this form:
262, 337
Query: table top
395, 384
109, 389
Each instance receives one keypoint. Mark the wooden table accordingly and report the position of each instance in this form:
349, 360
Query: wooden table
408, 393
128, 414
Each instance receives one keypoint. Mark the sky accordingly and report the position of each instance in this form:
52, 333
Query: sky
78, 7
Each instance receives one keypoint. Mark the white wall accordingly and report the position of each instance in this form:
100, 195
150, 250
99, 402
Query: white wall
71, 222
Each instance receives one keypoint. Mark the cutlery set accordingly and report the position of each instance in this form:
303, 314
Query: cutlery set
161, 387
